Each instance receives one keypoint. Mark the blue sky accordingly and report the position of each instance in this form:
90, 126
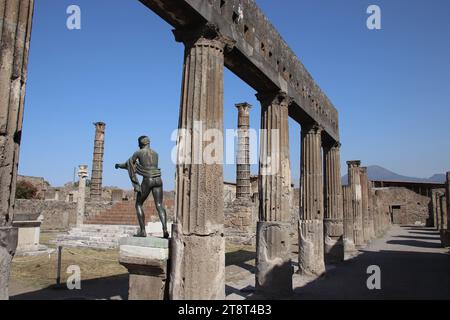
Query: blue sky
390, 86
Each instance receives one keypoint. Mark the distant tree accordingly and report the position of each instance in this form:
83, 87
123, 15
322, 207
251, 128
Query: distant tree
26, 190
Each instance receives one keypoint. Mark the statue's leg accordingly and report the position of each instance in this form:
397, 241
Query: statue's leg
158, 196
140, 199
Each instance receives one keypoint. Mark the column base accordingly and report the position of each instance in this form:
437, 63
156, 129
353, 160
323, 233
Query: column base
445, 238
349, 249
147, 262
333, 244
358, 238
197, 266
274, 269
311, 251
8, 245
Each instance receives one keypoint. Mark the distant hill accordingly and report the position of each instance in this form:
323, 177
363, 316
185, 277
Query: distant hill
380, 173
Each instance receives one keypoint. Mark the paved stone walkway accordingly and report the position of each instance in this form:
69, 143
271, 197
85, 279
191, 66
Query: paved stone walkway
412, 262
413, 266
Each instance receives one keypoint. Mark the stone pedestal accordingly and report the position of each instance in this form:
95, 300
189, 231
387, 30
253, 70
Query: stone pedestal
8, 245
29, 226
147, 262
273, 262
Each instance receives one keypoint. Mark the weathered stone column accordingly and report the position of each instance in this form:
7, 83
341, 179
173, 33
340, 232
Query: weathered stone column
365, 204
370, 195
438, 210
354, 182
81, 202
444, 218
349, 244
243, 185
198, 243
375, 214
273, 262
447, 195
97, 162
311, 250
333, 220
15, 31
434, 208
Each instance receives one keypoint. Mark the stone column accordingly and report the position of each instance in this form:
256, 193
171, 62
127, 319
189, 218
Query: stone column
97, 162
273, 263
349, 244
333, 220
371, 210
375, 214
438, 211
311, 250
243, 186
82, 174
365, 204
434, 209
15, 32
447, 194
198, 243
443, 205
354, 182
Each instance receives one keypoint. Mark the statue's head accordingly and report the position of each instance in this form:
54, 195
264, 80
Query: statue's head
143, 141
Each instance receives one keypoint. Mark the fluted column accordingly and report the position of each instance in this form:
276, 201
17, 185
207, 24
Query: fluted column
375, 214
243, 185
97, 162
311, 249
349, 244
354, 182
273, 263
443, 205
15, 31
81, 201
371, 209
447, 195
365, 204
434, 207
198, 243
333, 220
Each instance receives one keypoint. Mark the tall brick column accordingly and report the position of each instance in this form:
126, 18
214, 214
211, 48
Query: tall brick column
311, 249
198, 243
333, 220
354, 182
365, 204
97, 162
243, 185
349, 244
15, 31
273, 263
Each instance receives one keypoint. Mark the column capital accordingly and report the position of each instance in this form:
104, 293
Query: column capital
274, 98
363, 170
353, 163
312, 128
82, 171
204, 35
244, 106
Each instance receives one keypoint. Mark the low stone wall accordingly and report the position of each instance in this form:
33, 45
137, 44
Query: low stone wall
58, 215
